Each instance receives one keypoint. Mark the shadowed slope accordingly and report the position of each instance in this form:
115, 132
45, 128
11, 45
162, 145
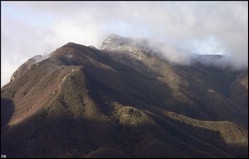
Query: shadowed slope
84, 102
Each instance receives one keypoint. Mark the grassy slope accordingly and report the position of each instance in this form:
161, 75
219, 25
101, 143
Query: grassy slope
101, 108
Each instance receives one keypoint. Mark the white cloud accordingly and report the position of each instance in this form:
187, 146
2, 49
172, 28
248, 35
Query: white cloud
33, 28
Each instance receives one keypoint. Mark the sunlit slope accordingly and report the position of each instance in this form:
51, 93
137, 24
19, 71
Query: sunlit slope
85, 102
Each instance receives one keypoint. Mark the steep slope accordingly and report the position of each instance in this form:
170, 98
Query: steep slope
121, 101
197, 90
239, 89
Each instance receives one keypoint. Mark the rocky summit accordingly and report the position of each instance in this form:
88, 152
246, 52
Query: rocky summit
123, 100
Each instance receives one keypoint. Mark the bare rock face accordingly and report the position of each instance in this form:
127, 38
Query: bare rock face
122, 101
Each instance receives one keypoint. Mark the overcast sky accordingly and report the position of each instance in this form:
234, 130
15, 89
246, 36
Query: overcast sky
37, 28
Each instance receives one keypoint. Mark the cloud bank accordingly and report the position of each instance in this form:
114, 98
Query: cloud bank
34, 28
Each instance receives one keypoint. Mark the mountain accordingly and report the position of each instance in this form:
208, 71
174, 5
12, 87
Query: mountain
123, 100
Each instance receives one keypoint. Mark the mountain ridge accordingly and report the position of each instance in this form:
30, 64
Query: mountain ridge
107, 103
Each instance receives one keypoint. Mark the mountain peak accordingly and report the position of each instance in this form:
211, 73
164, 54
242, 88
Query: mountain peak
69, 49
106, 99
114, 41
135, 48
116, 36
70, 44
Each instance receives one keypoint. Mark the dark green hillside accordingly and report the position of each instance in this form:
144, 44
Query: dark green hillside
122, 102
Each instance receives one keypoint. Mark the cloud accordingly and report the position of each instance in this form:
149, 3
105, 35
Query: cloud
39, 58
34, 28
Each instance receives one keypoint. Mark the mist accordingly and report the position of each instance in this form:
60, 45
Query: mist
176, 29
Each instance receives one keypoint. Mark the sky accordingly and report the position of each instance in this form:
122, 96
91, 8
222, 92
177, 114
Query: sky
181, 28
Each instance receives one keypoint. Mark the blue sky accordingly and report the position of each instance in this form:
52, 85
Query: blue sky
37, 28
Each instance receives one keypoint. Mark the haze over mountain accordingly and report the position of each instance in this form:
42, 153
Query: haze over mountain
176, 28
123, 100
